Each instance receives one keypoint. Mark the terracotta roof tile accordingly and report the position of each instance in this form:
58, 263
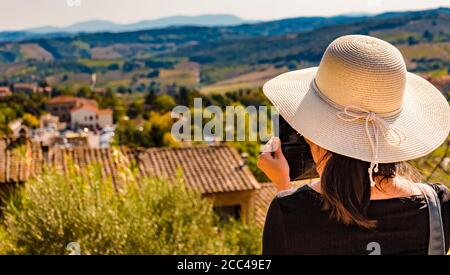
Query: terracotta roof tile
25, 85
208, 169
5, 91
264, 197
68, 99
92, 108
86, 107
104, 111
61, 99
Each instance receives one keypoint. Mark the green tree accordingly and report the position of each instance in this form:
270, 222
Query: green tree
153, 132
111, 100
135, 109
150, 97
85, 92
163, 103
145, 216
428, 36
30, 120
412, 40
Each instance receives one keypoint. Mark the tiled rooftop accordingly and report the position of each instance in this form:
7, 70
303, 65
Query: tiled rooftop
208, 169
264, 197
92, 108
71, 99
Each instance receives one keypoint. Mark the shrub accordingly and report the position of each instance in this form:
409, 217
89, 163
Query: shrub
145, 216
163, 103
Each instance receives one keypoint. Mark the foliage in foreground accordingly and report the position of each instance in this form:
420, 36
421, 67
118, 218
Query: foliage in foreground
147, 216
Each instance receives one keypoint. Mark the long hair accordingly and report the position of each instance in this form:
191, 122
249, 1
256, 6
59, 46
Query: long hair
346, 187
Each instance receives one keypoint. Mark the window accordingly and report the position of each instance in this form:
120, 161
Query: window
91, 118
229, 211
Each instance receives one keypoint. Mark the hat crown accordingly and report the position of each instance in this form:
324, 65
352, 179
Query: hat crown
363, 71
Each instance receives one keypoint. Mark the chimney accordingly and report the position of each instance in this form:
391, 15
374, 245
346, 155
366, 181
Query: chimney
244, 157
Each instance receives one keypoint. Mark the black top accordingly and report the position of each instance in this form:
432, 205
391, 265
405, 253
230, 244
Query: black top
297, 224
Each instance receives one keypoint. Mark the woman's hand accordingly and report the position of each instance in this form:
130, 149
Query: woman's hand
275, 166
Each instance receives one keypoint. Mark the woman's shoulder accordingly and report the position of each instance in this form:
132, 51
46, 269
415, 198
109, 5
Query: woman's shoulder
296, 197
294, 192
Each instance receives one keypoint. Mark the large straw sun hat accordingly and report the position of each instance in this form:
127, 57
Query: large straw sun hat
362, 103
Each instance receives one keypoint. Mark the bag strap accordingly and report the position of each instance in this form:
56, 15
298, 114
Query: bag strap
436, 244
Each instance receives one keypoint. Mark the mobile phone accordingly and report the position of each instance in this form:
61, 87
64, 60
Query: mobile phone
297, 153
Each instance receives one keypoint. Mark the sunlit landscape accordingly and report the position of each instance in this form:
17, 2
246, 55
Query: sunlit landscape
86, 150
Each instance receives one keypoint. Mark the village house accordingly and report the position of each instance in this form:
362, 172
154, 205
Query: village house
48, 131
18, 129
61, 106
99, 91
45, 90
48, 120
5, 91
88, 116
26, 88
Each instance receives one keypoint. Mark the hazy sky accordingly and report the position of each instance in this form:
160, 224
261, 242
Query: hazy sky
20, 14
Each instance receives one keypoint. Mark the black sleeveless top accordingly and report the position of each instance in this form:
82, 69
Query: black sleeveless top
297, 224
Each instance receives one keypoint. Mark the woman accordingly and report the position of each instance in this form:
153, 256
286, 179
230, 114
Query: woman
363, 116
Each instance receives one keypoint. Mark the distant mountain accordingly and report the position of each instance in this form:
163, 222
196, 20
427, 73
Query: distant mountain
357, 14
94, 26
235, 25
108, 26
201, 20
87, 26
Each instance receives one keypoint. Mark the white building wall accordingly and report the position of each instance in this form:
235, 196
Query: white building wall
105, 120
83, 117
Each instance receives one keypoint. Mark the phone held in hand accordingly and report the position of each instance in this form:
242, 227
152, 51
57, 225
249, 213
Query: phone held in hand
297, 153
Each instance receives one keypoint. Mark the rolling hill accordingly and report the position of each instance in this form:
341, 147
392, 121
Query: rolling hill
93, 26
170, 21
224, 56
308, 46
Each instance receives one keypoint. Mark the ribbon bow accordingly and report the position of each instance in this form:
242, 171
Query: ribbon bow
391, 134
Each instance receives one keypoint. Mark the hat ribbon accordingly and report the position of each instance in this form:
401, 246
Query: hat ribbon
391, 134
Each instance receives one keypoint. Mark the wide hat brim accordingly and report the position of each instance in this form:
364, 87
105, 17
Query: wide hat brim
424, 118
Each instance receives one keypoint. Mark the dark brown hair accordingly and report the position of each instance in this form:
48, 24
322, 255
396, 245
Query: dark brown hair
346, 187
